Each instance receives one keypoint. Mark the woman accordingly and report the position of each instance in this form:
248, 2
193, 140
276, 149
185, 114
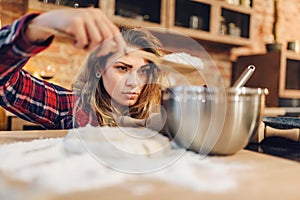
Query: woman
119, 84
93, 100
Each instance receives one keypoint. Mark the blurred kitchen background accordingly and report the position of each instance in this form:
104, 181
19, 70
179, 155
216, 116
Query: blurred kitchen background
234, 33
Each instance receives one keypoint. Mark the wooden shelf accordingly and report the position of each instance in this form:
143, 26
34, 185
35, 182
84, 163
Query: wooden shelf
289, 85
210, 12
128, 22
214, 38
37, 6
240, 9
136, 15
237, 8
292, 55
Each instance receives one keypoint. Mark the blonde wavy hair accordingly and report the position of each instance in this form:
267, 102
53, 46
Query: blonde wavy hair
92, 94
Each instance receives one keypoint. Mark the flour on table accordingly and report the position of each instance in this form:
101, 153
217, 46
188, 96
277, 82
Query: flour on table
62, 166
141, 141
123, 148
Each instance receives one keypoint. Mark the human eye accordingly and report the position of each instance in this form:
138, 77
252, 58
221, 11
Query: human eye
121, 68
145, 70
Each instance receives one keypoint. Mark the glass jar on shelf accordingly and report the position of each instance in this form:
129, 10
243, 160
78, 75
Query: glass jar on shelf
246, 3
234, 2
234, 30
222, 27
196, 22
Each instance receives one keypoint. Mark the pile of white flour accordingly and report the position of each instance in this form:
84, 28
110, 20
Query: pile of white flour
61, 166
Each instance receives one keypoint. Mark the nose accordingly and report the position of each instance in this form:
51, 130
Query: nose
132, 79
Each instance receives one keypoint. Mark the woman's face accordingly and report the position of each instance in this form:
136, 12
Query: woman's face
124, 78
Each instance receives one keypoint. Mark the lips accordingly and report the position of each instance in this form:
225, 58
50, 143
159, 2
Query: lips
130, 95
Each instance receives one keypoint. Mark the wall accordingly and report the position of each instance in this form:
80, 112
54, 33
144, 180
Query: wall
69, 58
9, 11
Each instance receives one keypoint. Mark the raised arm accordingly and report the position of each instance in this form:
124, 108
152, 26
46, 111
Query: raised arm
26, 96
18, 42
89, 26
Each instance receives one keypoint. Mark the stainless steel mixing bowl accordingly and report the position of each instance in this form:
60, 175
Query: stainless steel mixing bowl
212, 120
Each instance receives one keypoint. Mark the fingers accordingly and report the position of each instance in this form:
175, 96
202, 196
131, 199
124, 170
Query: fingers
77, 28
128, 121
89, 26
116, 35
155, 122
95, 29
107, 47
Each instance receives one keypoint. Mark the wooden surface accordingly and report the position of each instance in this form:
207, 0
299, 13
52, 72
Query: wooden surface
265, 64
283, 91
15, 123
15, 136
270, 63
274, 111
266, 178
214, 21
271, 178
167, 19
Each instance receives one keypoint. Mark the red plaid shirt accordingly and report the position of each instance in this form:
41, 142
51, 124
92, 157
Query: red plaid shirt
30, 98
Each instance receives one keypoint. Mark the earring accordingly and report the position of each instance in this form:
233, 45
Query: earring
98, 74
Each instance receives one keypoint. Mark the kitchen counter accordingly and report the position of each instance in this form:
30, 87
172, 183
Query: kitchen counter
278, 146
261, 177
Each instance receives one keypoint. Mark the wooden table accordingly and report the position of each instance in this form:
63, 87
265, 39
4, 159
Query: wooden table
267, 178
17, 124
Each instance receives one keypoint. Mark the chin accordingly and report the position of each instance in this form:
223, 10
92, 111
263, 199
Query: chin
129, 102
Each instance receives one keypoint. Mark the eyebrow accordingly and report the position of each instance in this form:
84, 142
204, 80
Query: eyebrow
127, 65
130, 66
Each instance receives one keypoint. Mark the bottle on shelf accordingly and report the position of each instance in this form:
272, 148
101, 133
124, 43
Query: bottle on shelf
196, 22
222, 27
234, 30
234, 2
246, 3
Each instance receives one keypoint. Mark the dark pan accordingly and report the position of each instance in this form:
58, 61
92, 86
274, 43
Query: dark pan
282, 122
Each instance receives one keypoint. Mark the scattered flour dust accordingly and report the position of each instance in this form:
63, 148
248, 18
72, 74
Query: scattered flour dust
185, 58
46, 165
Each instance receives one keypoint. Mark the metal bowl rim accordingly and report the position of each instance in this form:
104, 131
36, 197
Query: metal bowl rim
214, 90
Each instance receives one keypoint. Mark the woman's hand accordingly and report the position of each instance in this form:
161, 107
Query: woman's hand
89, 26
155, 121
129, 121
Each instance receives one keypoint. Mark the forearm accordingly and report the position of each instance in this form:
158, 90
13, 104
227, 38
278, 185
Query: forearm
37, 101
155, 121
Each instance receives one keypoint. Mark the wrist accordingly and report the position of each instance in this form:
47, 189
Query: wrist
23, 45
35, 36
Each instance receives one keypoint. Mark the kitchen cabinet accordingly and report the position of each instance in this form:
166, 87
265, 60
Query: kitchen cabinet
211, 21
74, 3
132, 13
277, 71
179, 14
46, 5
218, 21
